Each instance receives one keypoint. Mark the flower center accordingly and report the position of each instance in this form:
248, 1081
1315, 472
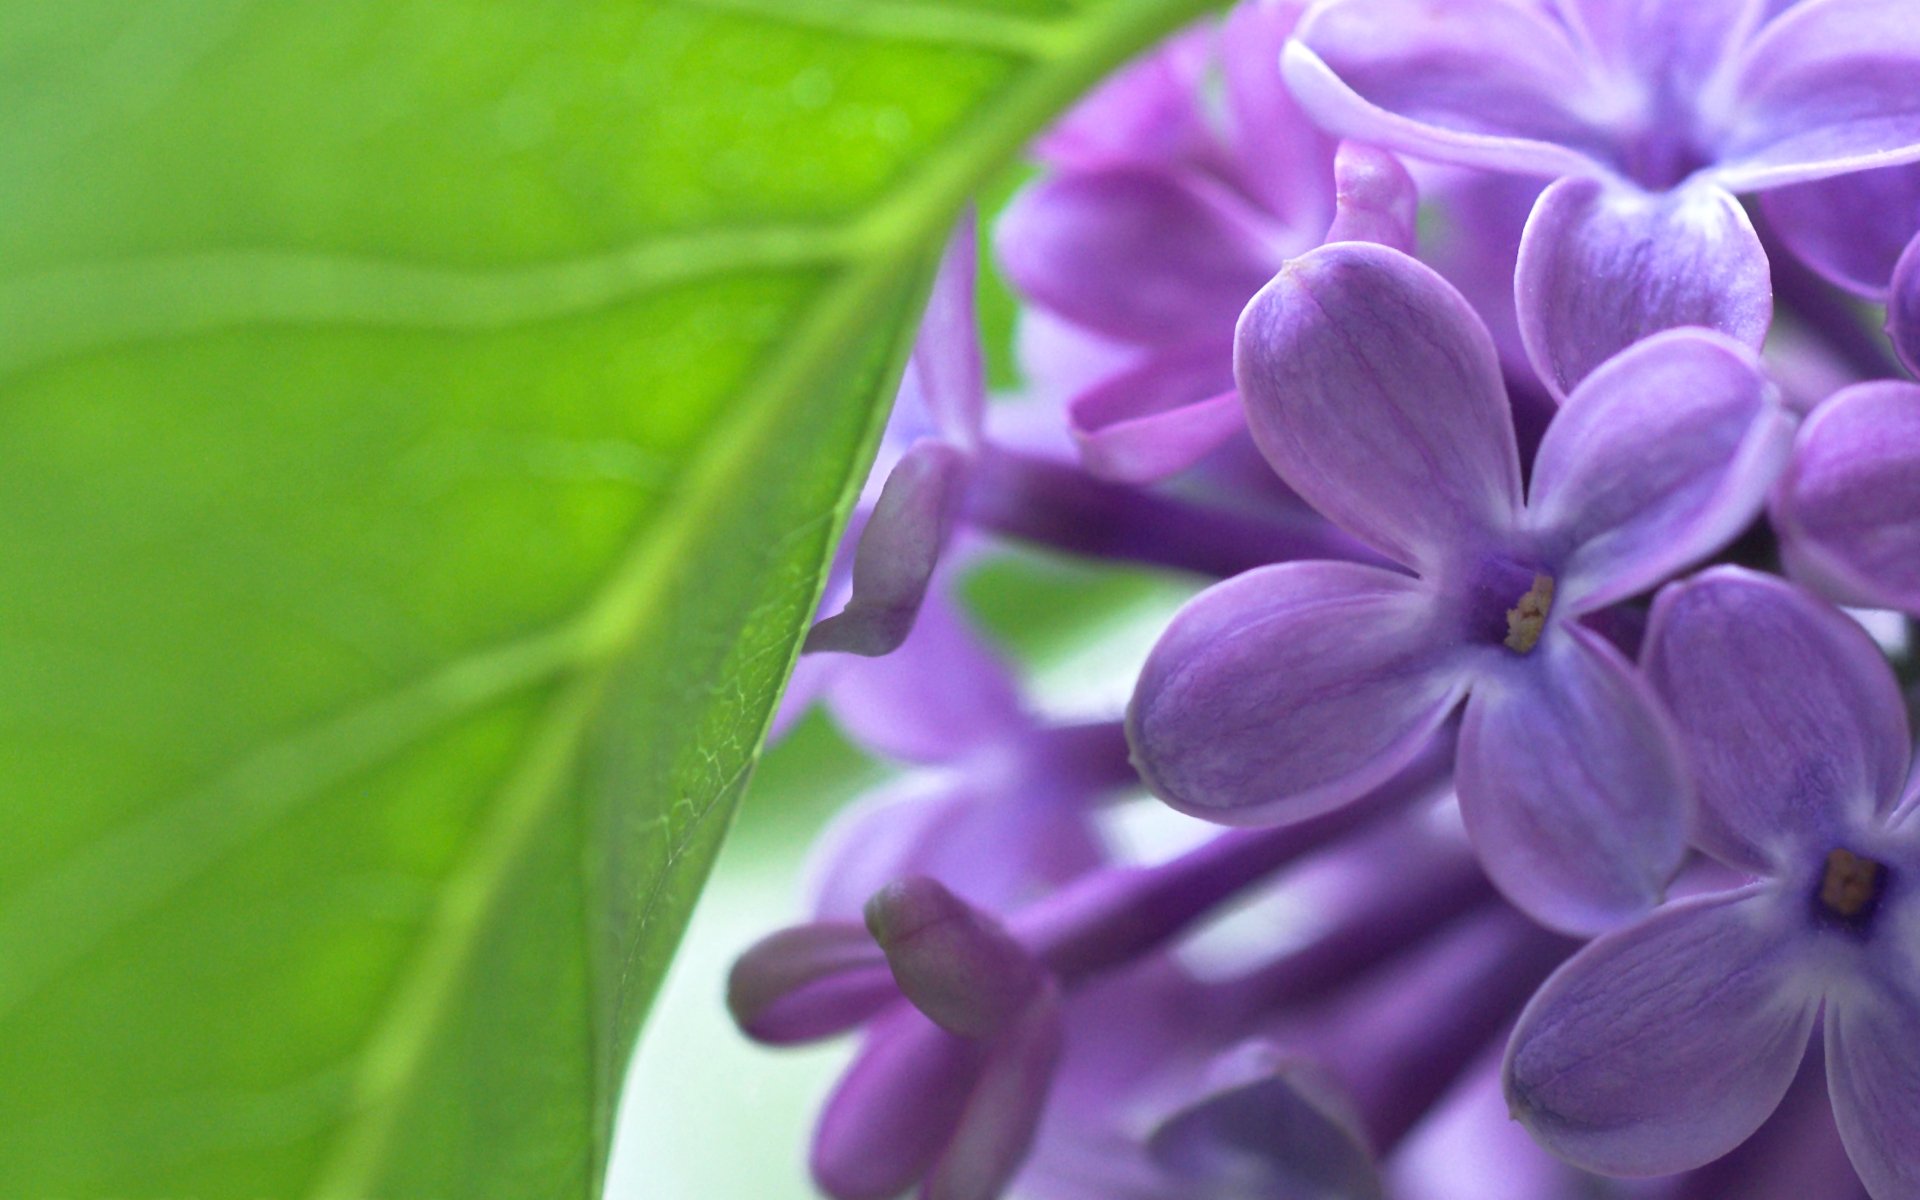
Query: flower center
1526, 619
1850, 890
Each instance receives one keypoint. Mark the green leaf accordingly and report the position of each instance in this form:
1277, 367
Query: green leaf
423, 424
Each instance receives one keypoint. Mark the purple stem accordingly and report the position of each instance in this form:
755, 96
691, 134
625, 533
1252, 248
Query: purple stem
1060, 506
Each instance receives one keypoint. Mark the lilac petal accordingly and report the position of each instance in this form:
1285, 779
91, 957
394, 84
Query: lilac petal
1873, 1075
946, 360
1662, 1046
1160, 417
1660, 457
1486, 83
1903, 307
953, 963
1002, 1114
1603, 265
1851, 229
1377, 200
1290, 690
1848, 508
1133, 253
1147, 112
1791, 717
1375, 392
1268, 1129
1674, 49
808, 982
1572, 786
898, 551
893, 1113
1826, 88
1280, 156
941, 695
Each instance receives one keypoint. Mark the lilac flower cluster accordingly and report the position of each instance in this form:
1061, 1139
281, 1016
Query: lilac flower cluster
1528, 381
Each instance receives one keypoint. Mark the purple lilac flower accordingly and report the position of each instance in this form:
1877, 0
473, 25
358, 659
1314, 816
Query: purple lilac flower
1147, 248
1664, 1045
1373, 391
1651, 116
1848, 507
1851, 229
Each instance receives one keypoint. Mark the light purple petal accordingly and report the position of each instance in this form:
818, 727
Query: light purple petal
1826, 88
1873, 1075
1375, 392
1663, 1046
1147, 112
892, 1114
1161, 417
1279, 155
1487, 83
1672, 48
1268, 1128
1603, 265
1572, 785
997, 1127
1660, 457
1791, 717
898, 551
1143, 255
942, 694
1376, 198
1290, 690
1848, 508
1851, 228
946, 360
1903, 307
809, 981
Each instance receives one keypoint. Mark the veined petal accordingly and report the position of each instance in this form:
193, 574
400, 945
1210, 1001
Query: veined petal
1660, 457
1487, 83
1664, 1045
898, 551
1161, 417
1604, 264
1792, 719
1851, 228
1572, 785
1375, 392
1826, 88
1139, 254
1873, 1075
1848, 508
1290, 690
1903, 307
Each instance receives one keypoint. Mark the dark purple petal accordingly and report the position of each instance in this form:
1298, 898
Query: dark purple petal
809, 981
1791, 717
1002, 1114
1873, 1075
1903, 307
898, 551
1848, 508
1487, 83
1376, 198
946, 366
1143, 255
893, 1113
942, 694
1161, 417
1572, 785
1603, 265
1290, 690
1269, 1127
952, 962
1375, 392
1662, 1046
1850, 228
1826, 88
1660, 457
1280, 156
